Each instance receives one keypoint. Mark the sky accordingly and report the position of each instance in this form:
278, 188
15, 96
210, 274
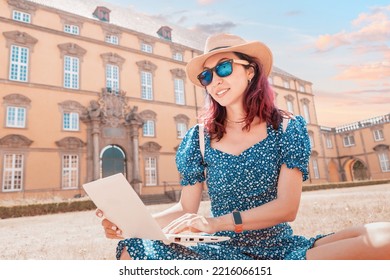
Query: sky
341, 47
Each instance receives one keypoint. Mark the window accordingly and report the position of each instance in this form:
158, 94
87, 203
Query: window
112, 39
315, 169
72, 29
179, 92
306, 112
21, 16
150, 171
19, 64
329, 143
311, 139
148, 128
112, 78
286, 84
301, 88
290, 106
146, 85
16, 117
349, 140
384, 161
71, 72
146, 48
181, 130
13, 172
378, 135
70, 170
71, 121
178, 56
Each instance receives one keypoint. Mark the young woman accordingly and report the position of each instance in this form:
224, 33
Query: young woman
254, 165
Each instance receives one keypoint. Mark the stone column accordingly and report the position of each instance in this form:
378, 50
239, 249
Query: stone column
136, 178
96, 154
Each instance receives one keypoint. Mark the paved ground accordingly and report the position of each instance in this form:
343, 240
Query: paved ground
78, 235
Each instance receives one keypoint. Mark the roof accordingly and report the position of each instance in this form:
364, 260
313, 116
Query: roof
128, 18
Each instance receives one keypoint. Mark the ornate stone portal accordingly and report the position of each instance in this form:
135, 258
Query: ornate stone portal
111, 122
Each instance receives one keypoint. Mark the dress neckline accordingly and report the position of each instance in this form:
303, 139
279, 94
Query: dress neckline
208, 144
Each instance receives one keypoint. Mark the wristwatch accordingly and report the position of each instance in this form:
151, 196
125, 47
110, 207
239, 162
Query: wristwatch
237, 221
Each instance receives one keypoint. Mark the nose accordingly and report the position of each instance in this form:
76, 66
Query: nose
217, 80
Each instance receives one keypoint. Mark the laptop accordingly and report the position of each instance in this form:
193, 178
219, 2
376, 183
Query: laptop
123, 207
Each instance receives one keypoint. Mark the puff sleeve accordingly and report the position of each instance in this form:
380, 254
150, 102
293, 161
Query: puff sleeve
296, 146
189, 158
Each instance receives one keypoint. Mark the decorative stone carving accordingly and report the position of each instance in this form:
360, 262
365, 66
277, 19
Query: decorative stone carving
70, 143
135, 118
112, 58
178, 73
150, 147
23, 5
381, 147
73, 106
16, 99
71, 49
182, 118
15, 141
72, 20
113, 107
20, 38
146, 65
289, 97
111, 30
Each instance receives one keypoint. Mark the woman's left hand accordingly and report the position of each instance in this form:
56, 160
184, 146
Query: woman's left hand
192, 223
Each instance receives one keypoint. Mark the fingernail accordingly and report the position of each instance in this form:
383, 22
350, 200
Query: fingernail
118, 232
100, 214
114, 228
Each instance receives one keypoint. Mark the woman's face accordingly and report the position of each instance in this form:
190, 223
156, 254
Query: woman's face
229, 90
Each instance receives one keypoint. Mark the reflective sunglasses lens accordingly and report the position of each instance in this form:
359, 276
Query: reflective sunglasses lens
224, 69
205, 77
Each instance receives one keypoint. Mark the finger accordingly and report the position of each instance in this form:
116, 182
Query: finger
99, 213
177, 222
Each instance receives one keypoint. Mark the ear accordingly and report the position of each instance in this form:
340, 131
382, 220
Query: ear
251, 72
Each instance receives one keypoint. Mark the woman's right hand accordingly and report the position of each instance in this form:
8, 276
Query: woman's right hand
110, 229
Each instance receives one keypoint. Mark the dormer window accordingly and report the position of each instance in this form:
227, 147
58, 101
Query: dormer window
165, 32
102, 13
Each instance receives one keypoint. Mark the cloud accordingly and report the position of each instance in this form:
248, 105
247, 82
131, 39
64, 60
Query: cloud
372, 28
369, 71
338, 108
207, 2
215, 27
293, 13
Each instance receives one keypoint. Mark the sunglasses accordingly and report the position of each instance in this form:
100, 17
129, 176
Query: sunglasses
222, 69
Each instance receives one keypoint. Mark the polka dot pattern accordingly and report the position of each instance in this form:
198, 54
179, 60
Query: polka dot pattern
238, 182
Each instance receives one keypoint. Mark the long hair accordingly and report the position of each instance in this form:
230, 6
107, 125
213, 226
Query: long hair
258, 101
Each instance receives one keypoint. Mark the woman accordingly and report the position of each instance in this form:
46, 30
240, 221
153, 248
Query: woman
254, 164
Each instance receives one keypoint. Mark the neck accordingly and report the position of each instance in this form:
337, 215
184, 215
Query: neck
235, 115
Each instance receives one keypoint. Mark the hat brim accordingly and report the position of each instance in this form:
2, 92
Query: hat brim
255, 49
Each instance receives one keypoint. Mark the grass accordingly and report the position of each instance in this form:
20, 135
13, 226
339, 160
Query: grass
78, 235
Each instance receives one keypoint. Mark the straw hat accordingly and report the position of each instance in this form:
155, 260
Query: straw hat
220, 43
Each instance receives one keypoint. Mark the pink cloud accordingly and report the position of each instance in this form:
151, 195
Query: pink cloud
367, 27
375, 71
327, 42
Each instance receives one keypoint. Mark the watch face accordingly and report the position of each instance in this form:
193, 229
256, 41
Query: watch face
237, 218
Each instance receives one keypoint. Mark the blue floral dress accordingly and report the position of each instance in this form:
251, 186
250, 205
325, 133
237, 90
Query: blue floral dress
238, 182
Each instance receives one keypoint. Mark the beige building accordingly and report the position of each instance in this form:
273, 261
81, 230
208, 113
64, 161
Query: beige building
88, 90
357, 151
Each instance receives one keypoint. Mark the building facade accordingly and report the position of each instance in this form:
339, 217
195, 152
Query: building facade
87, 91
357, 151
